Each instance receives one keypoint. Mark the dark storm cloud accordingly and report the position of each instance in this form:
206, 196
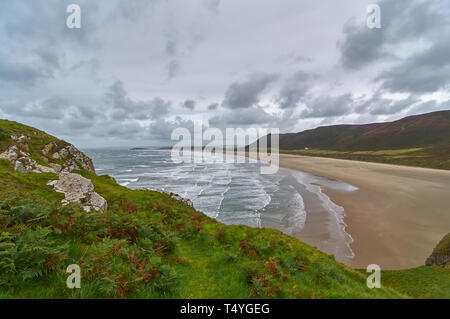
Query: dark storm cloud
425, 72
328, 106
361, 46
213, 107
245, 94
294, 90
189, 104
20, 73
402, 21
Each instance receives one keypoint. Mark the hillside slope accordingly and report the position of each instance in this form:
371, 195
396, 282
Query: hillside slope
419, 140
418, 131
149, 245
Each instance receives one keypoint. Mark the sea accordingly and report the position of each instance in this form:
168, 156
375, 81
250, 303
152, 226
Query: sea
238, 193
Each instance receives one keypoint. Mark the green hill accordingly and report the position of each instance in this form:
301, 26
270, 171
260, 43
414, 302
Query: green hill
150, 245
419, 140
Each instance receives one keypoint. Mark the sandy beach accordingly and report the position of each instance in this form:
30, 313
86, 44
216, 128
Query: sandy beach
397, 215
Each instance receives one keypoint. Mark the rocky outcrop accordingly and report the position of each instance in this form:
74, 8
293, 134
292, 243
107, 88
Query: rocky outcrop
21, 142
68, 158
78, 190
11, 154
441, 253
21, 160
62, 158
73, 159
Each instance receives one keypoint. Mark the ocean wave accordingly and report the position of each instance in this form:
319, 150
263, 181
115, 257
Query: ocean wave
335, 210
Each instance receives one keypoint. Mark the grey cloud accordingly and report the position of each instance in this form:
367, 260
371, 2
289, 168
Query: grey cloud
425, 72
78, 124
189, 104
328, 106
294, 90
429, 106
51, 108
162, 130
213, 107
172, 69
92, 65
402, 21
377, 105
254, 115
212, 5
360, 46
125, 108
245, 94
22, 74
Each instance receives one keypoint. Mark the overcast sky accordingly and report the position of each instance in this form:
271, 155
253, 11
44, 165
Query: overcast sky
137, 69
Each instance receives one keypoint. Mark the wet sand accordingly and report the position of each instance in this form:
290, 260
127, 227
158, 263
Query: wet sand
396, 217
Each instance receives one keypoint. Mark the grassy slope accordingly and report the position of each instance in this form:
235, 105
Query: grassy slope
150, 246
421, 140
443, 248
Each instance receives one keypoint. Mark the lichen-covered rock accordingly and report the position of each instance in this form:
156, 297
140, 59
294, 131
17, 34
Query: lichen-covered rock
23, 165
78, 190
44, 169
98, 201
56, 167
21, 142
441, 253
48, 148
17, 155
11, 154
73, 159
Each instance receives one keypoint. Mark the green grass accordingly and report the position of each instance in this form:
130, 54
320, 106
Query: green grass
148, 245
443, 248
423, 282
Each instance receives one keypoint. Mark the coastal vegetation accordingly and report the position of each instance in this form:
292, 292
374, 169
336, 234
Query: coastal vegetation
150, 245
420, 140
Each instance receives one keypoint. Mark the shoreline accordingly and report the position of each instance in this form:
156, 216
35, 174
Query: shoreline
397, 215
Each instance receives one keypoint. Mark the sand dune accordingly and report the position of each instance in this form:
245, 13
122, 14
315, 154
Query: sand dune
397, 216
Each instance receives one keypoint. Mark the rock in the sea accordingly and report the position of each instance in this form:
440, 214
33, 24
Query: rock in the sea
78, 190
441, 253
